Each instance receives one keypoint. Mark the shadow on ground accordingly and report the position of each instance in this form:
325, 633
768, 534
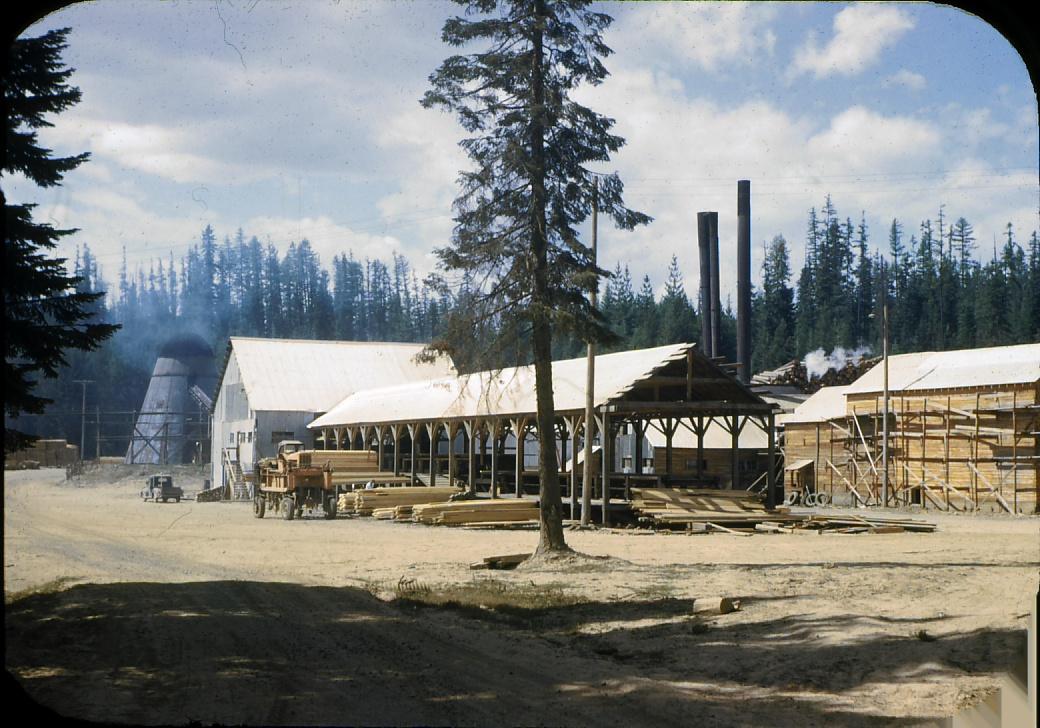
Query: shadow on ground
271, 653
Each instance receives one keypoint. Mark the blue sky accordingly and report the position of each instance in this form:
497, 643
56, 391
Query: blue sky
299, 119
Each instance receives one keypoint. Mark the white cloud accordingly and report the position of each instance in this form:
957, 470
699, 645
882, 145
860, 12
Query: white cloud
861, 33
859, 139
705, 33
327, 237
907, 79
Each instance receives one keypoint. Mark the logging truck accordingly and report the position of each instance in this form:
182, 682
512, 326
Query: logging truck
287, 486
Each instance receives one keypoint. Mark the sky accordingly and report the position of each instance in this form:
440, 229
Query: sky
293, 119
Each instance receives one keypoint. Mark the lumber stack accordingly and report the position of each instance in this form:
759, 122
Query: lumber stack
680, 506
737, 512
365, 502
477, 512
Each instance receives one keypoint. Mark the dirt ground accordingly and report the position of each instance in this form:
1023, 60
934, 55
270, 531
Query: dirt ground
141, 613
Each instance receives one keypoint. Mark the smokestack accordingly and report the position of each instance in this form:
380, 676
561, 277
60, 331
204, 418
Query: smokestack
716, 303
744, 279
703, 245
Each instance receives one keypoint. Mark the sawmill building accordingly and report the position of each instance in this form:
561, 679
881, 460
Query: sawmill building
270, 389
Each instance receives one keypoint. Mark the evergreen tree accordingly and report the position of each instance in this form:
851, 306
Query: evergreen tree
47, 312
677, 319
518, 210
775, 322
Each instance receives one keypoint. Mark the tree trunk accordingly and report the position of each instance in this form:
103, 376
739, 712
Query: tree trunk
551, 508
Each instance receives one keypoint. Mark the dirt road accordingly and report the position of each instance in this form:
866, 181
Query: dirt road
168, 613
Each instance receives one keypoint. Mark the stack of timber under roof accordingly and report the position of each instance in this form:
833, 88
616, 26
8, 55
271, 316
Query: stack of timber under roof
963, 432
658, 387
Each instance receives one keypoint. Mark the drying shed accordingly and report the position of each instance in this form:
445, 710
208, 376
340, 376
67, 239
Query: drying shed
661, 389
962, 431
270, 389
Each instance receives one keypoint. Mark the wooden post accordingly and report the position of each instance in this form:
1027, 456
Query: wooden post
520, 433
573, 427
924, 446
735, 453
771, 476
946, 448
434, 430
380, 434
606, 447
669, 430
493, 435
451, 428
413, 431
637, 455
1014, 447
975, 459
395, 431
471, 433
700, 429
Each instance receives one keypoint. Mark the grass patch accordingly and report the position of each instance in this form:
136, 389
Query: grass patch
481, 597
48, 587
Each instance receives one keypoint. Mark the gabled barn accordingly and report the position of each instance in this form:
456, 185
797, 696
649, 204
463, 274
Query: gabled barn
270, 389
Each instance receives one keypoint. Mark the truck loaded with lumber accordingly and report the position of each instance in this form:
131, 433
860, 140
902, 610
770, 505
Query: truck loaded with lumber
291, 482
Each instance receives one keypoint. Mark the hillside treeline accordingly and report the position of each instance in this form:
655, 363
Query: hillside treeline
945, 290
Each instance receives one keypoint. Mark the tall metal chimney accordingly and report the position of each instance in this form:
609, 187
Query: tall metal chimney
703, 245
744, 279
716, 303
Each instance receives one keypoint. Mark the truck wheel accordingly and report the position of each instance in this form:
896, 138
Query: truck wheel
330, 507
288, 509
259, 506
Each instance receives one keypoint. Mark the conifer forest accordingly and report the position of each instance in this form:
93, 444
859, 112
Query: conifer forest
946, 290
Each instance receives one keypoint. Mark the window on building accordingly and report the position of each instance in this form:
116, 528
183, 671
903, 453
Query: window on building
231, 438
249, 437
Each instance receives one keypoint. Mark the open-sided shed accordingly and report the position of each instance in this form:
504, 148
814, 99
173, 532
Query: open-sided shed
410, 425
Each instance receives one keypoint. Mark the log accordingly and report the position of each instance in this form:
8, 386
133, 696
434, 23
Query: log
715, 605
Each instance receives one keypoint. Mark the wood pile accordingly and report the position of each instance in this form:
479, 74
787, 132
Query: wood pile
678, 506
508, 561
365, 502
477, 512
740, 513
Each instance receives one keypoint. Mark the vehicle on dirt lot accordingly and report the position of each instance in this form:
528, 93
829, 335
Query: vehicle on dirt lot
288, 483
161, 488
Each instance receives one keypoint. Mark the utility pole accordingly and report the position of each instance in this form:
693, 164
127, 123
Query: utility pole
884, 360
83, 416
590, 381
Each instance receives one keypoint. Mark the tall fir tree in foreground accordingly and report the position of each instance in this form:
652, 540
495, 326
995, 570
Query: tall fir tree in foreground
519, 207
47, 312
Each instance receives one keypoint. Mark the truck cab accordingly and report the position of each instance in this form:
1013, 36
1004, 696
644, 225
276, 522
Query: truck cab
287, 447
160, 488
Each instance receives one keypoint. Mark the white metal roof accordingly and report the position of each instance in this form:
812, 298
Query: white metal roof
826, 404
995, 366
507, 392
298, 375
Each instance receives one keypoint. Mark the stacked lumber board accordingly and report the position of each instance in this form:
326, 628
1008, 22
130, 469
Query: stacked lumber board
365, 502
680, 506
477, 512
737, 512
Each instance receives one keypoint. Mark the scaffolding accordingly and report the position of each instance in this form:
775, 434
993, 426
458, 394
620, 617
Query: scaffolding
965, 450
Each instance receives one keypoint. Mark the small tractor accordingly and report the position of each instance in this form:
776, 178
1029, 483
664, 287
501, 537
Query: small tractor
287, 486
